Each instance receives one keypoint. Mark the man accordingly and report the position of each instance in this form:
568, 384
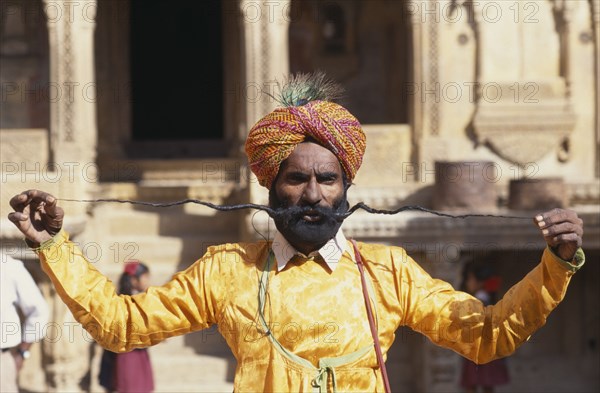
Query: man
20, 295
292, 310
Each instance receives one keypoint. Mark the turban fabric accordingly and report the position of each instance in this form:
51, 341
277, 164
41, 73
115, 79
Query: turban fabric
275, 136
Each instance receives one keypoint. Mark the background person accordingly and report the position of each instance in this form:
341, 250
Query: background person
21, 297
480, 281
129, 372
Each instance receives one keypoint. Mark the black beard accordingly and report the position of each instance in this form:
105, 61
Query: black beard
308, 235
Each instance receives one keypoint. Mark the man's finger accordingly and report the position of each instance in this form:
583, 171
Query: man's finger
54, 224
19, 201
564, 239
564, 227
21, 221
38, 196
556, 216
50, 206
17, 217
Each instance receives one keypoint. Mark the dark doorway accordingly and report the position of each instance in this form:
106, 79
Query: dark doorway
176, 70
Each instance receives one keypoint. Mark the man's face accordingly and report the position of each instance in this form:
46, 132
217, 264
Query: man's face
310, 183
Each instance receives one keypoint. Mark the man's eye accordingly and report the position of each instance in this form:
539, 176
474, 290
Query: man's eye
297, 178
328, 179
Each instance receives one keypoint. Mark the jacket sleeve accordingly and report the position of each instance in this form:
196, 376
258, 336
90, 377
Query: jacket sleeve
31, 303
191, 301
458, 321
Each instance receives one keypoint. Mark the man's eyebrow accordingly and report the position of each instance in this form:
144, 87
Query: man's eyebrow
328, 175
297, 173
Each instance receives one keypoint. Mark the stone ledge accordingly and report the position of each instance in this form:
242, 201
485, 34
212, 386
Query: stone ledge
206, 170
419, 193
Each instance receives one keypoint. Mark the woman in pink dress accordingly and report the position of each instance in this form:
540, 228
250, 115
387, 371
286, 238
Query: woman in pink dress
480, 282
129, 372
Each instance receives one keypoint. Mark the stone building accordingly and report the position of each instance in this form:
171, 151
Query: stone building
153, 100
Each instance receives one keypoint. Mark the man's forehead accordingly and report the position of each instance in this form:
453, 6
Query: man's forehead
308, 157
309, 167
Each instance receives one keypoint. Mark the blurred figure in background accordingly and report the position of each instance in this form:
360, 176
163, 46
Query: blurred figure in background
23, 318
481, 282
131, 371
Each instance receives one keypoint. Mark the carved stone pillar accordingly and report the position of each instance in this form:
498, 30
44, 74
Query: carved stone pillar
443, 74
73, 112
430, 146
265, 29
72, 95
264, 26
73, 152
416, 116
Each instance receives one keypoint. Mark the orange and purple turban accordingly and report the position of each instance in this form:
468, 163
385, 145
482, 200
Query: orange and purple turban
275, 136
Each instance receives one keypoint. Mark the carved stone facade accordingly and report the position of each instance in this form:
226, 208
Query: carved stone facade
533, 115
513, 83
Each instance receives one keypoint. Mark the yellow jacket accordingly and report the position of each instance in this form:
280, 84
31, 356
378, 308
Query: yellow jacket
313, 333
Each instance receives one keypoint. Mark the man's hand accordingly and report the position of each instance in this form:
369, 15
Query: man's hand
36, 215
562, 230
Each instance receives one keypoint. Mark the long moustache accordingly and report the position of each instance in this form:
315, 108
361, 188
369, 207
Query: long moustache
276, 213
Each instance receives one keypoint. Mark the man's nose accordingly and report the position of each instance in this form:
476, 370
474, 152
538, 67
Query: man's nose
312, 193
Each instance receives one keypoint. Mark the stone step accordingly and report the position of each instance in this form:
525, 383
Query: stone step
167, 223
193, 387
169, 367
184, 371
194, 372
